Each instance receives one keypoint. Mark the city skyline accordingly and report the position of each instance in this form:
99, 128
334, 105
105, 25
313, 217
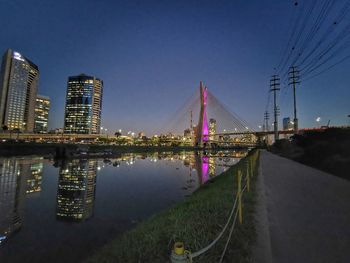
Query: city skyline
155, 62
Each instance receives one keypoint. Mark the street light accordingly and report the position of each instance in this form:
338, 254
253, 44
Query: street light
318, 119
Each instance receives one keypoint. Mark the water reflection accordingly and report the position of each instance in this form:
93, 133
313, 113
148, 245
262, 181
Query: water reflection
76, 190
164, 176
35, 176
204, 164
18, 176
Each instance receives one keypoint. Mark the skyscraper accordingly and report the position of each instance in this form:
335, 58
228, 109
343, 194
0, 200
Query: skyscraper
18, 88
42, 108
83, 105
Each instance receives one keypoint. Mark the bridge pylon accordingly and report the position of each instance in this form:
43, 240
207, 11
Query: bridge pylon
202, 129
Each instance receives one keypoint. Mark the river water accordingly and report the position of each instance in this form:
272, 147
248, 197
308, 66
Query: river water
63, 211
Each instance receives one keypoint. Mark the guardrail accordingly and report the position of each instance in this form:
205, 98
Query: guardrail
180, 255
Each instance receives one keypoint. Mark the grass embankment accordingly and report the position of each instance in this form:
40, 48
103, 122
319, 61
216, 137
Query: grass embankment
327, 150
196, 221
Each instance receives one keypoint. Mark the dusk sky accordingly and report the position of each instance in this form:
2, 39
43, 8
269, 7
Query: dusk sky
151, 56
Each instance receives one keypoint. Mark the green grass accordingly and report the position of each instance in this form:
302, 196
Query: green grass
196, 221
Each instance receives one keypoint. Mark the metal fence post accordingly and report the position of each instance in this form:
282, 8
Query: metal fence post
240, 216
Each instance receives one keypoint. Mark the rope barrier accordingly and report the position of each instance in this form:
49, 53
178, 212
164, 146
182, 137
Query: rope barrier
190, 255
231, 231
203, 250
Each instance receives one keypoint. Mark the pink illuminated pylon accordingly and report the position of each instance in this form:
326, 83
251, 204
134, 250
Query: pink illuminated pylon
202, 135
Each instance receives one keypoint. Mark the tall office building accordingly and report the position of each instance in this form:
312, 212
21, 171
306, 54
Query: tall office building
83, 105
42, 109
18, 88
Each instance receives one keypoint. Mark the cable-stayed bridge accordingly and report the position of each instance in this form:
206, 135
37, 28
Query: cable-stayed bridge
207, 122
203, 121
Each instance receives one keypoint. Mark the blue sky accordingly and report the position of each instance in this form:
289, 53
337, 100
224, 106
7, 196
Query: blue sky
151, 56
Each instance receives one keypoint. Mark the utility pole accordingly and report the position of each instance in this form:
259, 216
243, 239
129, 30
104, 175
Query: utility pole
274, 86
293, 80
266, 121
191, 124
266, 128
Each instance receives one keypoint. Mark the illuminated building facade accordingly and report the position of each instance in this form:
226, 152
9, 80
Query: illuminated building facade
212, 129
12, 195
42, 109
76, 190
18, 89
188, 133
287, 124
83, 105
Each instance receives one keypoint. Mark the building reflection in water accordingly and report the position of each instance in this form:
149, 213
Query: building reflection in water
35, 176
206, 164
18, 176
76, 190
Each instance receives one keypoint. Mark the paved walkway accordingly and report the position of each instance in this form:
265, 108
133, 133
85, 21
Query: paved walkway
303, 214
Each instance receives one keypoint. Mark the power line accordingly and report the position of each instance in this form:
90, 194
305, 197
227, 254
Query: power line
345, 9
336, 42
303, 26
328, 68
296, 25
290, 37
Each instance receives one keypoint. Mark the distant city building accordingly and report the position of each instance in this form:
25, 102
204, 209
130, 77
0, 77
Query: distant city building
287, 124
141, 135
56, 131
188, 133
76, 190
83, 105
212, 129
42, 109
18, 89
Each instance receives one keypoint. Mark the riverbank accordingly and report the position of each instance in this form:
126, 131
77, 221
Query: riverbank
327, 150
196, 221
